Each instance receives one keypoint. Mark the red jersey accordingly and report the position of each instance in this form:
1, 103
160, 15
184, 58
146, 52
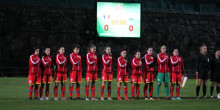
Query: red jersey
177, 64
47, 62
163, 60
122, 66
34, 65
61, 63
107, 63
136, 66
150, 64
91, 60
75, 60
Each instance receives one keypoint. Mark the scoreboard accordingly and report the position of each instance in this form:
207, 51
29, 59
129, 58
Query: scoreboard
117, 19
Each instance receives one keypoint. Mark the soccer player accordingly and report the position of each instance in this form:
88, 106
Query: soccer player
47, 73
34, 77
92, 69
215, 72
163, 72
149, 73
177, 69
136, 74
61, 75
75, 72
202, 70
122, 75
107, 73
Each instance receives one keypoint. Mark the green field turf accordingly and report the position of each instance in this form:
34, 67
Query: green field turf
14, 96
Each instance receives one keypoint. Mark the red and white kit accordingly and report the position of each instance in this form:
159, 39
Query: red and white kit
163, 61
34, 76
76, 70
47, 73
61, 62
136, 73
92, 67
149, 69
122, 74
107, 73
177, 68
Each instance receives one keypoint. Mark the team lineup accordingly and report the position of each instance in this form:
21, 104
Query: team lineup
170, 69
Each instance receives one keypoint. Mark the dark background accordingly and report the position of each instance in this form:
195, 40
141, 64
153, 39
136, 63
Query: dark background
26, 24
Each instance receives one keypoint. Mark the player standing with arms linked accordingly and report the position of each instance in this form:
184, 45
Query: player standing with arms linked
61, 75
136, 74
202, 70
177, 69
215, 72
107, 72
122, 75
163, 72
47, 73
149, 73
92, 70
75, 72
34, 76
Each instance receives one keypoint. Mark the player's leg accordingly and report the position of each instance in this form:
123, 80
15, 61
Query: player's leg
171, 90
118, 90
160, 79
146, 80
198, 88
47, 90
167, 80
178, 91
31, 86
79, 80
93, 86
87, 90
109, 90
138, 90
151, 85
204, 88
56, 90
36, 89
63, 89
41, 91
132, 90
71, 91
212, 89
125, 88
102, 89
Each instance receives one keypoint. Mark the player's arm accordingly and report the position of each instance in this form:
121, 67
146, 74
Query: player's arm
89, 60
46, 64
74, 61
58, 60
159, 60
121, 64
172, 62
34, 63
147, 62
106, 62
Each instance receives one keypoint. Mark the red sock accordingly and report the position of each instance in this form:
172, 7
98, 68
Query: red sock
125, 92
151, 90
70, 92
36, 91
30, 91
171, 91
47, 91
93, 91
177, 91
118, 91
55, 91
138, 91
41, 91
63, 89
78, 91
132, 91
102, 91
109, 91
87, 91
145, 91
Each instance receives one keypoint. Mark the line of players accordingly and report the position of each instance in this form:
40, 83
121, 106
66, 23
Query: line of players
166, 65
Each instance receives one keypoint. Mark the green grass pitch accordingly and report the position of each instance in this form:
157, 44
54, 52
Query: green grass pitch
14, 96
